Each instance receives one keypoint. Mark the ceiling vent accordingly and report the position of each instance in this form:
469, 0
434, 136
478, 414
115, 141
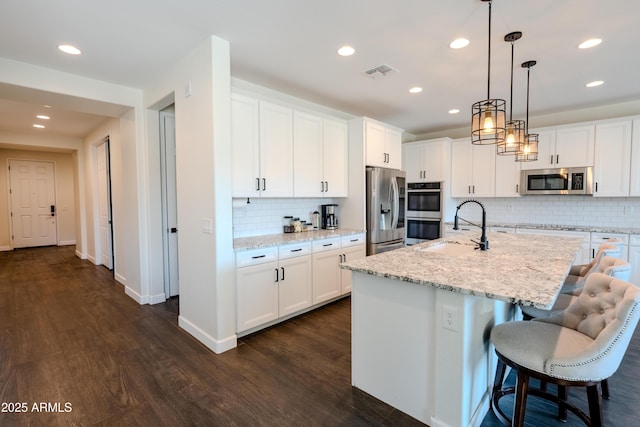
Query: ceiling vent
380, 71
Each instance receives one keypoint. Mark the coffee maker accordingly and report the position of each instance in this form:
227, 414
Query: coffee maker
329, 216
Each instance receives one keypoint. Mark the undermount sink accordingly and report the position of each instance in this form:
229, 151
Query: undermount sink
450, 249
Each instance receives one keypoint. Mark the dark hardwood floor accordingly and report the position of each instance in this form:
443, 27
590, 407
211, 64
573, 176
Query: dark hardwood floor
72, 340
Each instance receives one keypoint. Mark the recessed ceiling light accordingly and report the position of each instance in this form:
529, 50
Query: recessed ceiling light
594, 83
43, 117
589, 43
38, 126
346, 51
459, 43
71, 50
454, 111
415, 89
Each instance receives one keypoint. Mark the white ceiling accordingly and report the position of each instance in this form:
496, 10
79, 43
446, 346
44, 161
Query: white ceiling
290, 46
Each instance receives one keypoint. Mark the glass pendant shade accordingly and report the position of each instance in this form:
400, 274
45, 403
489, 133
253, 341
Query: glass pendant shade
528, 150
488, 120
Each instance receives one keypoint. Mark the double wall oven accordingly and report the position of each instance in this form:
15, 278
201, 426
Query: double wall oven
424, 212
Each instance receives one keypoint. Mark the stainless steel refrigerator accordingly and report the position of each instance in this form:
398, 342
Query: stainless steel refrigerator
386, 189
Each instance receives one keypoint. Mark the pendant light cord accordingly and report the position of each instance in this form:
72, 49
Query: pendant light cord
511, 94
489, 57
527, 122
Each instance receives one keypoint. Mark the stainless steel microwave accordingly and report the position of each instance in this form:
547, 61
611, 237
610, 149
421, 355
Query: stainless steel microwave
557, 181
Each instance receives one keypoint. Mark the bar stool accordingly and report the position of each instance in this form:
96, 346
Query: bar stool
577, 273
577, 347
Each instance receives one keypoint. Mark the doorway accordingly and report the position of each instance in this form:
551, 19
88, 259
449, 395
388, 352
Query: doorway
169, 201
33, 203
103, 170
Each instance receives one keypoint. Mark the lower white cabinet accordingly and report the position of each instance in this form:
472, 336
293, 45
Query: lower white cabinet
619, 239
268, 288
277, 282
327, 277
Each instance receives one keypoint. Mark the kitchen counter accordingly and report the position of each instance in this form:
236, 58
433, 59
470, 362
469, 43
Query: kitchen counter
421, 318
585, 228
267, 240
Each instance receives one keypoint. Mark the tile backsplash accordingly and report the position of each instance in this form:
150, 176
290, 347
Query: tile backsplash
264, 216
621, 212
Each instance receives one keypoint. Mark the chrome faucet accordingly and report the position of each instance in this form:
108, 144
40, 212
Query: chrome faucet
483, 244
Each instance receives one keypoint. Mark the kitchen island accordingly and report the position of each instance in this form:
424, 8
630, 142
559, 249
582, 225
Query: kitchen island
421, 318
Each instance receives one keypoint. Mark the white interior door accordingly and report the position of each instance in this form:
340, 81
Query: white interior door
33, 203
104, 205
170, 210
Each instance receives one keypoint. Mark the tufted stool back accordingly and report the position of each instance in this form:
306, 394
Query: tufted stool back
607, 311
605, 249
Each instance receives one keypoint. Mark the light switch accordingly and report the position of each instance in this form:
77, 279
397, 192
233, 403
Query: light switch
207, 225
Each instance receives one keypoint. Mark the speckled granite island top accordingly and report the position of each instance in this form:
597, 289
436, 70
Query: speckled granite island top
528, 269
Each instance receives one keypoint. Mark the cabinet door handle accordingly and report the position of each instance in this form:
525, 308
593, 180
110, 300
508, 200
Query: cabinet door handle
258, 256
257, 184
276, 275
344, 257
552, 159
469, 190
474, 189
322, 186
557, 158
326, 183
296, 250
264, 184
327, 244
596, 187
282, 268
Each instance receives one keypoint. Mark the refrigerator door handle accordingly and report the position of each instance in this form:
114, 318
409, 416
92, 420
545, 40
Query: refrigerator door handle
396, 203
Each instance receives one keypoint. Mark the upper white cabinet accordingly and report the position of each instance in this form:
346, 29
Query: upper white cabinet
473, 169
426, 161
320, 156
383, 144
563, 147
261, 148
507, 176
612, 159
634, 190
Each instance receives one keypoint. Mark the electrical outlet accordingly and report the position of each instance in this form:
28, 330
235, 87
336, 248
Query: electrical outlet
450, 318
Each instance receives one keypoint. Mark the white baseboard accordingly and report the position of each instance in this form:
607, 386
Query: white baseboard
66, 243
120, 278
217, 346
157, 299
135, 295
5, 248
92, 259
81, 255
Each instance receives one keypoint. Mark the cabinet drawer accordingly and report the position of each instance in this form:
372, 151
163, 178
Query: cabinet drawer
256, 256
294, 250
597, 238
634, 240
354, 240
326, 244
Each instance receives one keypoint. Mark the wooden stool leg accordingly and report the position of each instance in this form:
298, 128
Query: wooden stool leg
595, 407
562, 398
520, 401
605, 389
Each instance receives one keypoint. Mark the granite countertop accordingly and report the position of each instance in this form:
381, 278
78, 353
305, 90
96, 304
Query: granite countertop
527, 269
586, 228
267, 240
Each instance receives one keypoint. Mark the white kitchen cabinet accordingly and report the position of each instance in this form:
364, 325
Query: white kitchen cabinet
584, 255
472, 169
353, 248
327, 275
245, 146
294, 283
320, 156
272, 283
256, 287
383, 144
634, 258
612, 159
564, 147
634, 190
261, 148
621, 240
426, 161
507, 176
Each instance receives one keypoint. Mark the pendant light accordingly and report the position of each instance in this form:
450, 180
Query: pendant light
515, 129
528, 151
488, 116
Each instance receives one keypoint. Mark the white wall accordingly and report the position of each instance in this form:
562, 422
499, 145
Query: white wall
65, 182
617, 212
203, 159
